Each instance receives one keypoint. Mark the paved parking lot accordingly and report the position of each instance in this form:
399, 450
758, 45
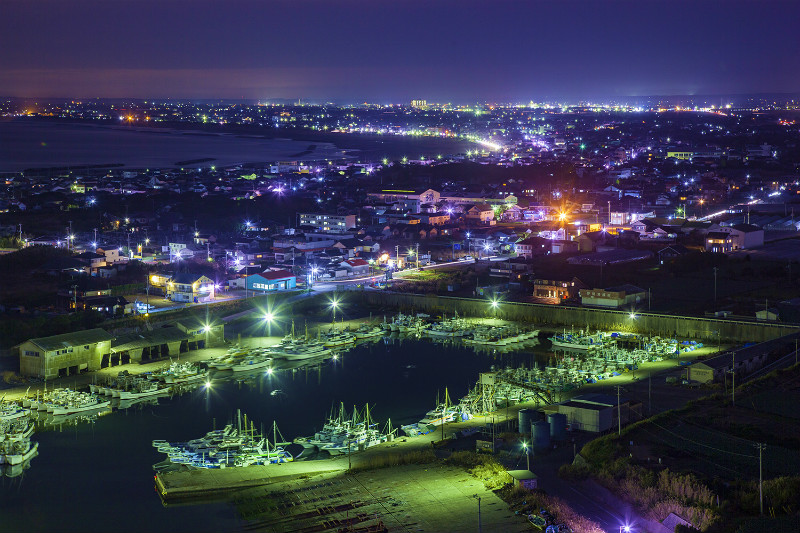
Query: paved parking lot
406, 498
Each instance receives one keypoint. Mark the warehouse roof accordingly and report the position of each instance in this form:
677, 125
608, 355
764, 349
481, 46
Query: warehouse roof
157, 337
75, 338
599, 397
585, 405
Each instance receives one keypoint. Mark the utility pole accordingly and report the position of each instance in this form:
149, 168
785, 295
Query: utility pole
732, 372
761, 447
480, 529
715, 284
649, 393
619, 414
417, 256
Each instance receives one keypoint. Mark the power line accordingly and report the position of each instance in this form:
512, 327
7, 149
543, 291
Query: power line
702, 444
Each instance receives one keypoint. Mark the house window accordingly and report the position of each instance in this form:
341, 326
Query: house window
31, 353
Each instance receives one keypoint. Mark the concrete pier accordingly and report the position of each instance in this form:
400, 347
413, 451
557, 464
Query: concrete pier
207, 484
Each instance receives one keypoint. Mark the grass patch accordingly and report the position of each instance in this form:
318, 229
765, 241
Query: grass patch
527, 502
375, 462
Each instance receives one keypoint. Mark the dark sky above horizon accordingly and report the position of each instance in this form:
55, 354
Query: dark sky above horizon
381, 51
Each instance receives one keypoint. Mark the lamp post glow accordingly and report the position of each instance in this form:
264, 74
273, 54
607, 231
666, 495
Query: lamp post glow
334, 305
268, 318
527, 456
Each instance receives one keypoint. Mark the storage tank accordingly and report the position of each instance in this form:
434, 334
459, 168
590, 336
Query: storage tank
540, 434
525, 421
558, 426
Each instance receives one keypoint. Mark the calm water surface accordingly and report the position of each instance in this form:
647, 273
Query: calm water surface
97, 476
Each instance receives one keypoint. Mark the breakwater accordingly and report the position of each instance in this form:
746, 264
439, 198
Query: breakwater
706, 329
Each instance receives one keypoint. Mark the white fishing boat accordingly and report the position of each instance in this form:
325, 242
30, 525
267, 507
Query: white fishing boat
334, 339
80, 405
443, 413
178, 372
579, 341
238, 445
15, 439
366, 331
143, 389
346, 433
252, 362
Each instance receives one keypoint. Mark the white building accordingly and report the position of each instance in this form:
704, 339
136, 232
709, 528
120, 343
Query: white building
326, 222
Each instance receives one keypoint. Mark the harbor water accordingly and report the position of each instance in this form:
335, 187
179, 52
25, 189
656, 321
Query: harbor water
97, 475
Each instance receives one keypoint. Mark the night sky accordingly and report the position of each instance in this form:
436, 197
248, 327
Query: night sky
439, 50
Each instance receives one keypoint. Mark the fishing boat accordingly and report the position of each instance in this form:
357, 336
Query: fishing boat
15, 439
254, 361
347, 433
82, 404
366, 331
335, 339
449, 327
238, 445
579, 341
443, 413
178, 372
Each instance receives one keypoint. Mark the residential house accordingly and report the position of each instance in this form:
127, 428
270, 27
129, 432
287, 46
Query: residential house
411, 200
111, 254
563, 247
356, 267
481, 213
434, 219
720, 242
186, 287
93, 261
670, 253
589, 241
512, 213
532, 247
271, 280
561, 289
745, 236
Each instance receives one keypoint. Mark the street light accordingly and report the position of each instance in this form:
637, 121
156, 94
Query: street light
527, 455
268, 318
334, 305
625, 529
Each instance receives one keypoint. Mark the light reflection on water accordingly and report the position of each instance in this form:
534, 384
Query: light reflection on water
96, 475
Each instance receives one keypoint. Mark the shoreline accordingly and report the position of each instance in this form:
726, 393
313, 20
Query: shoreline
16, 392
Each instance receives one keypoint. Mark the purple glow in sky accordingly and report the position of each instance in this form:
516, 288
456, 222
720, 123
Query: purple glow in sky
439, 50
